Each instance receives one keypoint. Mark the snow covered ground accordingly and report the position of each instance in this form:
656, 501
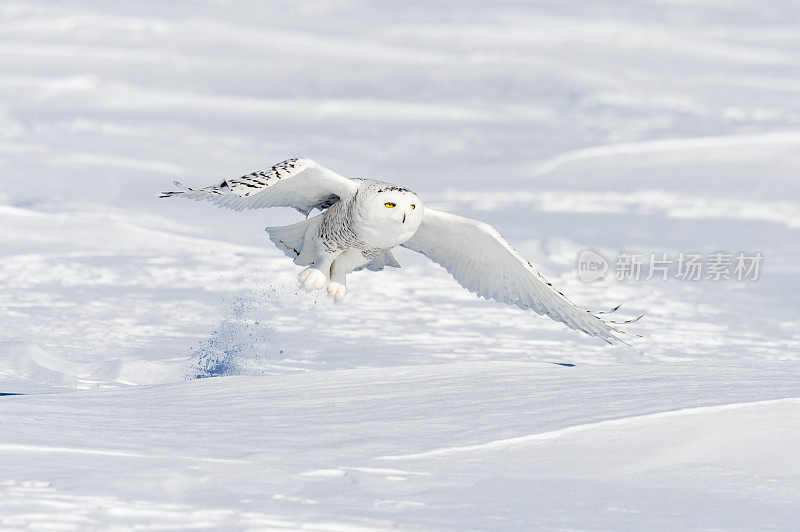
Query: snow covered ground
639, 127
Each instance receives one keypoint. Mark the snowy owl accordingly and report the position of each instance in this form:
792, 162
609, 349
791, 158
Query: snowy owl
362, 220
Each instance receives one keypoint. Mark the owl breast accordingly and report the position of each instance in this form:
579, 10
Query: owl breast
338, 230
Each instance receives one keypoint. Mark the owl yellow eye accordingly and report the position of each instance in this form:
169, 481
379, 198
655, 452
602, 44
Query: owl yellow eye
390, 205
413, 206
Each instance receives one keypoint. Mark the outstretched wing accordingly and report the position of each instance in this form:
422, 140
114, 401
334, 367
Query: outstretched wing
298, 183
484, 263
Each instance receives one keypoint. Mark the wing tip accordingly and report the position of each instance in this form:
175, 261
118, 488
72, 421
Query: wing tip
168, 194
174, 193
613, 339
609, 332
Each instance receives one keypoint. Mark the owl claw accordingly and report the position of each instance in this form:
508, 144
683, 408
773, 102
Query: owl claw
313, 279
337, 291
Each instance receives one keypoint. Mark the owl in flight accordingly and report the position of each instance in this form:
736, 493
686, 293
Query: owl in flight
362, 220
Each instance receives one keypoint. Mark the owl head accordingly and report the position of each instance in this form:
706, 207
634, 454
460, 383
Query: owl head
398, 206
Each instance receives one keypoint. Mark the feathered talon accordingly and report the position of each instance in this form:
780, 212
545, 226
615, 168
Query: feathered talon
337, 291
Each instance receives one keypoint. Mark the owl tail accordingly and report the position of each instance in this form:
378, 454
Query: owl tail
292, 240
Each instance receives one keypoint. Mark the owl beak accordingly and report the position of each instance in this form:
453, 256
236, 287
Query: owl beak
404, 217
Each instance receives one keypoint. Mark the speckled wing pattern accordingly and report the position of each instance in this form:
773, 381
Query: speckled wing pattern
484, 263
298, 183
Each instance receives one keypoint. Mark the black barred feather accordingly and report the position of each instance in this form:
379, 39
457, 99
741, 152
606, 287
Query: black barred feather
299, 183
